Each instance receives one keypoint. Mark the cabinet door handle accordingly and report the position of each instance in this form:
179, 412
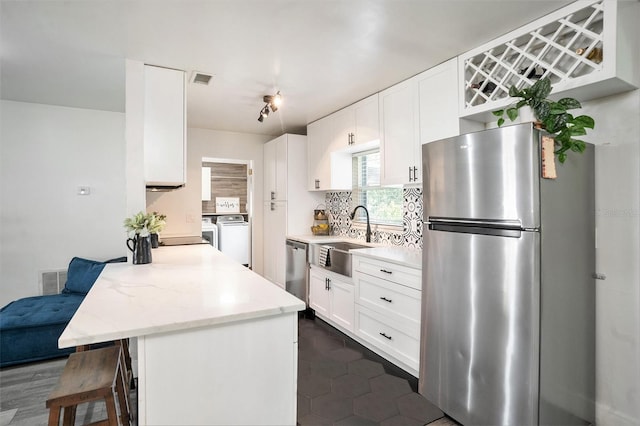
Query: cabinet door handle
273, 206
410, 180
317, 183
385, 299
273, 195
386, 272
385, 336
328, 283
415, 174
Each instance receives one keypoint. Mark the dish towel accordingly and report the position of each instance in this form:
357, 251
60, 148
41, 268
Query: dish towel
325, 256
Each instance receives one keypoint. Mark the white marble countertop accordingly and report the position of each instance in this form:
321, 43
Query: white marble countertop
184, 287
395, 254
322, 239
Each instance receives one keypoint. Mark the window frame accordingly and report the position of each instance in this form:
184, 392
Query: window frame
359, 195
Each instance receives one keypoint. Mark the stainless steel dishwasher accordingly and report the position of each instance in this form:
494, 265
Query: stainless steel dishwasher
297, 277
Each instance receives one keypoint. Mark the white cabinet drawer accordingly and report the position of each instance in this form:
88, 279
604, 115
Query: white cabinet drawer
403, 303
399, 274
382, 332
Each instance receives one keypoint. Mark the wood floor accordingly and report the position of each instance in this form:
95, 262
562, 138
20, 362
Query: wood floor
25, 388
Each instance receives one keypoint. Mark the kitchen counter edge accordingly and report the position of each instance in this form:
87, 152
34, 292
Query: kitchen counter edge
405, 256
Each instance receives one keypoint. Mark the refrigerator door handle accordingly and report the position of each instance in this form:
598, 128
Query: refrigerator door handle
506, 224
481, 227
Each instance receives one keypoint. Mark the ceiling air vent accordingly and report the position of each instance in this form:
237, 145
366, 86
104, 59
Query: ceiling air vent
200, 78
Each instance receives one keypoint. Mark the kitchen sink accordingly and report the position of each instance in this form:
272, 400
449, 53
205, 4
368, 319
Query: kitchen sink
338, 253
345, 246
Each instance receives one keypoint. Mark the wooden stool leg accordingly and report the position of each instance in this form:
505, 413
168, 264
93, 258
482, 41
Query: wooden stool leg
123, 397
127, 354
69, 416
112, 414
126, 360
54, 415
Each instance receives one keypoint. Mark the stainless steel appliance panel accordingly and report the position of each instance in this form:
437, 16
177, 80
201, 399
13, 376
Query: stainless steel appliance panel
479, 354
568, 293
297, 270
492, 174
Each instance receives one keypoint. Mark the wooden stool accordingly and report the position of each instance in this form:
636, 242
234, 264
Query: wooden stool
89, 376
125, 360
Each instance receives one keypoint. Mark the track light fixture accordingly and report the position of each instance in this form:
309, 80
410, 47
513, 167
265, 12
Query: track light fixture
272, 103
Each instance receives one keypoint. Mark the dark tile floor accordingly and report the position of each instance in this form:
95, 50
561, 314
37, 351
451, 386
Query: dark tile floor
339, 383
342, 383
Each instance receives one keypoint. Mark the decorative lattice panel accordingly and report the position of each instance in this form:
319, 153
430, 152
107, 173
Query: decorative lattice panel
564, 49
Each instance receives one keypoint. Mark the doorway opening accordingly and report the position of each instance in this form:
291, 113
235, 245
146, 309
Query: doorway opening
227, 195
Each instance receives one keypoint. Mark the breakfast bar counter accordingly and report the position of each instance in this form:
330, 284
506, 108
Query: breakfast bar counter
217, 343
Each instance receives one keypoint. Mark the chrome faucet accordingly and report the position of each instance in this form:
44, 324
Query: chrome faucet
353, 215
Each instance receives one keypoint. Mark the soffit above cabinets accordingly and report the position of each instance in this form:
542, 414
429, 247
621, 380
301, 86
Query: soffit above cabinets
320, 56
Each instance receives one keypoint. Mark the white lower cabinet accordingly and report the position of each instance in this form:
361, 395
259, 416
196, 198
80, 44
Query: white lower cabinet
379, 307
388, 298
392, 337
332, 297
388, 306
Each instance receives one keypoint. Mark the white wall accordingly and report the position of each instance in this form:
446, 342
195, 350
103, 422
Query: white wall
617, 136
134, 134
183, 207
47, 152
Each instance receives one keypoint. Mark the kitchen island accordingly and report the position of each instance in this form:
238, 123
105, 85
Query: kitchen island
216, 342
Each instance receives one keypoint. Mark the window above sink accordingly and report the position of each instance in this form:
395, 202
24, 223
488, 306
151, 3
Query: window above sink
383, 203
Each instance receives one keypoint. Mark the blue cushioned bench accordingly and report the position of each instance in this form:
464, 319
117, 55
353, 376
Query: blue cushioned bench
30, 327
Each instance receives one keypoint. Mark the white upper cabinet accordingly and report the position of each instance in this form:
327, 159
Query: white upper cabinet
421, 109
356, 124
319, 138
366, 120
438, 95
334, 138
164, 126
438, 92
275, 169
400, 134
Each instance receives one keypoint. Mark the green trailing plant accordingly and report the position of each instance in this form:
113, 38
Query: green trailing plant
553, 116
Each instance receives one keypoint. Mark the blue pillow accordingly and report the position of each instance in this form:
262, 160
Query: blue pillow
81, 275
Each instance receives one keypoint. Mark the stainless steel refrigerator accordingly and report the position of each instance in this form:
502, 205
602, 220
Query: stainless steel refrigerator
508, 314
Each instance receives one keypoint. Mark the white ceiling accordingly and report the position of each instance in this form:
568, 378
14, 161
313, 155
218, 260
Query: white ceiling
321, 54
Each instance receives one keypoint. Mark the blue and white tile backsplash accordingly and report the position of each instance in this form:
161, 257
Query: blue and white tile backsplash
340, 205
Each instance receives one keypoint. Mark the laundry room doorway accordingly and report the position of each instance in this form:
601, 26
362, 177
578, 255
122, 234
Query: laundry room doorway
227, 206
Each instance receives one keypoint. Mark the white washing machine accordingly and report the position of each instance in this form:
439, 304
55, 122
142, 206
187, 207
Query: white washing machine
233, 237
210, 231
